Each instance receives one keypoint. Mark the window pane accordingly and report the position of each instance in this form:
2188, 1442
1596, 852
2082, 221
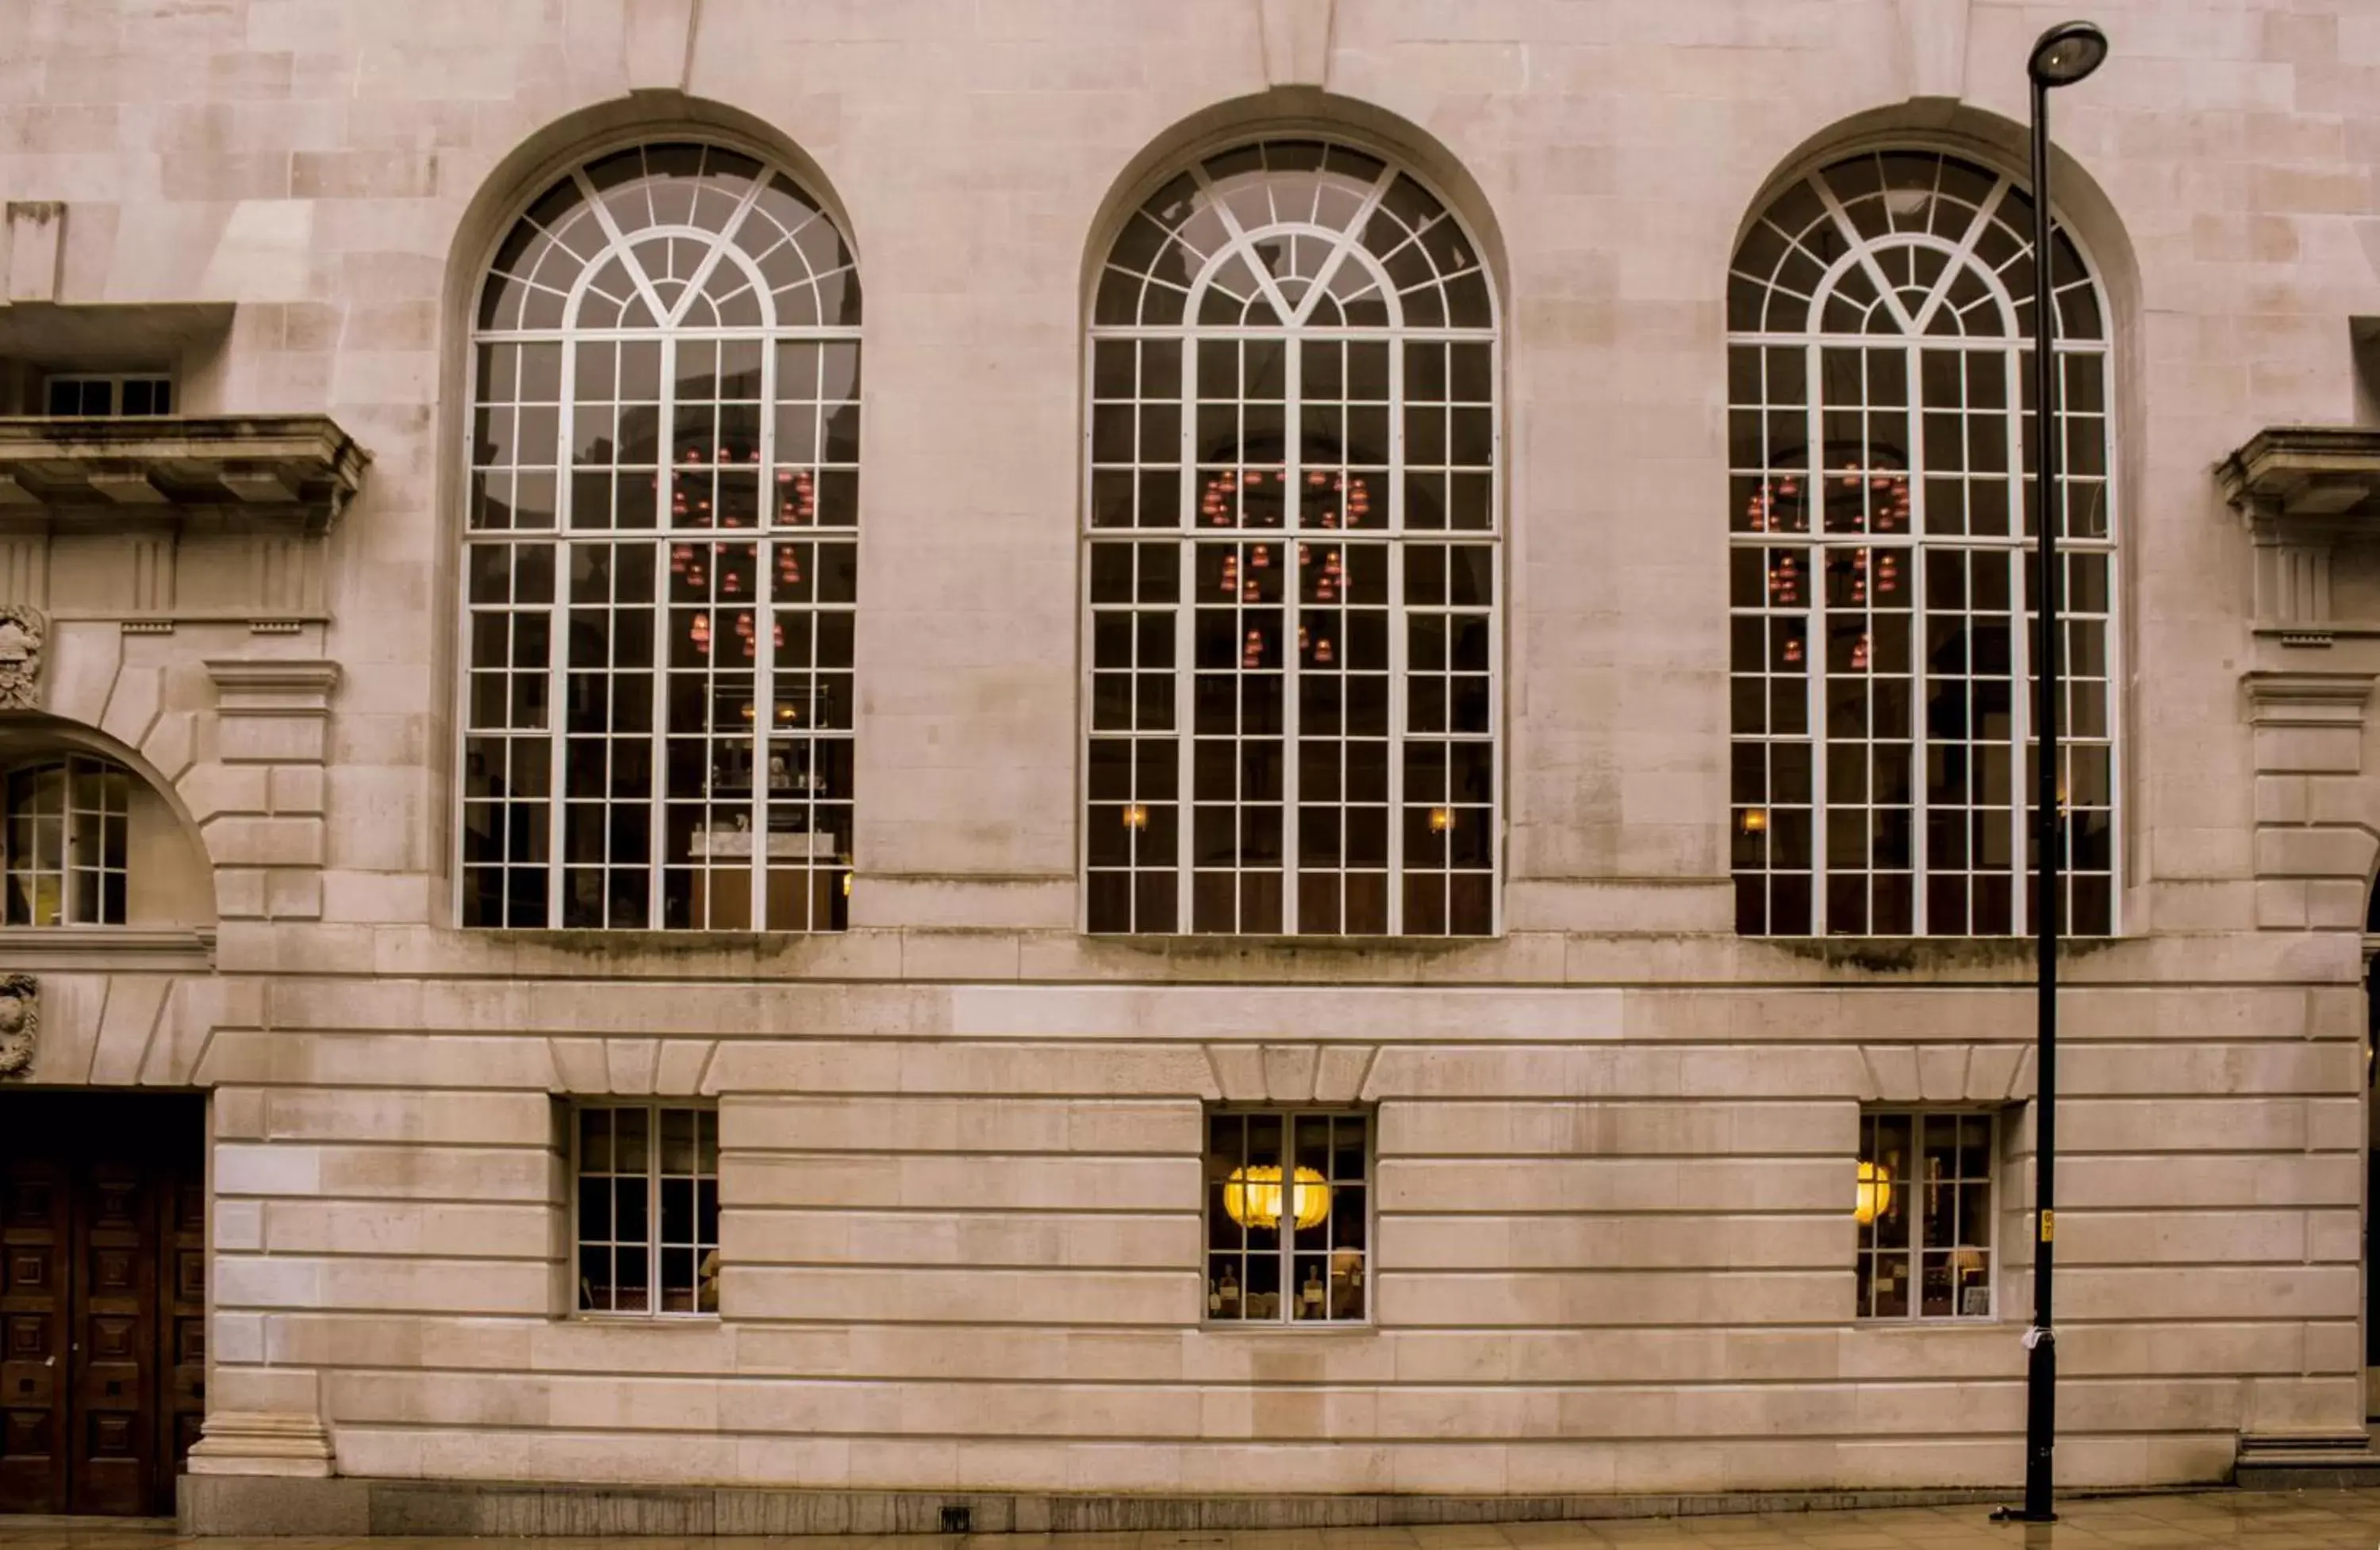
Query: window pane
695, 695
1286, 1217
1296, 462
1899, 626
633, 1161
1924, 1209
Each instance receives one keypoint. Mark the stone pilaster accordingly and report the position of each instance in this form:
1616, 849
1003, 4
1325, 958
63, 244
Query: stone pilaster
2313, 854
267, 834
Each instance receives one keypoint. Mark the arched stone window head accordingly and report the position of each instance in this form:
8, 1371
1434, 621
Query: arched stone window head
662, 554
1882, 572
1294, 578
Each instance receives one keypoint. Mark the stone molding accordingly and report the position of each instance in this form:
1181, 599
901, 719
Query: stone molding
677, 1068
657, 43
1331, 1073
1950, 1073
2307, 722
1934, 44
273, 687
1297, 38
116, 949
263, 1442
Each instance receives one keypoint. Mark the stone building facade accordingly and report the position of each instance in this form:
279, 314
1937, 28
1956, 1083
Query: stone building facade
387, 1117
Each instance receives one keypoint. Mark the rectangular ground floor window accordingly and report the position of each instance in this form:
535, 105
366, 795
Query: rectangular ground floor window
1925, 1213
646, 1208
1288, 1216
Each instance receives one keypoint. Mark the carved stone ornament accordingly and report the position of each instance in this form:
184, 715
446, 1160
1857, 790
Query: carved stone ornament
23, 630
20, 1019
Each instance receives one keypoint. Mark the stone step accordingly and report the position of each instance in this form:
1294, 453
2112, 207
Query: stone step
2297, 1461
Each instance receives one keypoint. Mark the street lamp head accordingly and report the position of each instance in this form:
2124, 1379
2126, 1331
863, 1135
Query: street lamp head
2066, 54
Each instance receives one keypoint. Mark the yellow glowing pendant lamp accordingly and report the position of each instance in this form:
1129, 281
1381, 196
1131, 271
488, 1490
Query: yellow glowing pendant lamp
1252, 1196
1874, 1193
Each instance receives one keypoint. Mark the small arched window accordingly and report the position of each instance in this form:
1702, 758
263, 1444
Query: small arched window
661, 557
66, 843
1883, 572
1292, 572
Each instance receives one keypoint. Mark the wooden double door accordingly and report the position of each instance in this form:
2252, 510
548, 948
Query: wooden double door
103, 1298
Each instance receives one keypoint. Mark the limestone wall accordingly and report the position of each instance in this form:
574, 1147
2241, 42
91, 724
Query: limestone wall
961, 1142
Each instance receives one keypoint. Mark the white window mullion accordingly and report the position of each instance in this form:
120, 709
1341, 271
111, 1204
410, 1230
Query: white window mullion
1185, 635
1920, 734
2021, 627
664, 477
2021, 729
1500, 579
1814, 648
764, 652
557, 638
1399, 658
652, 1208
1293, 664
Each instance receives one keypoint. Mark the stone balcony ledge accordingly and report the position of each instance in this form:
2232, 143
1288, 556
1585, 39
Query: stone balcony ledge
2295, 472
280, 470
2301, 490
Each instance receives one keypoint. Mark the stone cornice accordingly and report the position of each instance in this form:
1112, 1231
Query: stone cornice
104, 948
2276, 698
2305, 474
290, 470
274, 687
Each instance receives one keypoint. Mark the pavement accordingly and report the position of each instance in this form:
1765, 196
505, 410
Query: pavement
2244, 1519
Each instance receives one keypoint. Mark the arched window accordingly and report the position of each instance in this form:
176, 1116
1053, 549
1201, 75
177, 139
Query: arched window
1293, 573
66, 843
1883, 569
662, 554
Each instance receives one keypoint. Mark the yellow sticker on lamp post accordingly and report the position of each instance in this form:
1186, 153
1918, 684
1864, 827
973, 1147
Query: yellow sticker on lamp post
2048, 1226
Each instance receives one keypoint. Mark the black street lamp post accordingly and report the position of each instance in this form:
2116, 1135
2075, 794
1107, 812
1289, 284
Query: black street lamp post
2061, 57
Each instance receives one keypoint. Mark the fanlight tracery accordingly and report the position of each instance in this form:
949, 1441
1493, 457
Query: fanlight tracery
675, 236
662, 554
1292, 562
1882, 573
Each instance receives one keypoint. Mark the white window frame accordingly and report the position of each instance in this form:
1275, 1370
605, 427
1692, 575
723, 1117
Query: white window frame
706, 1120
1995, 1245
75, 770
1394, 538
1286, 1318
769, 539
2014, 346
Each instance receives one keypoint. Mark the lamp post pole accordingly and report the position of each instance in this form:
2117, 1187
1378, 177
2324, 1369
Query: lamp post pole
2061, 57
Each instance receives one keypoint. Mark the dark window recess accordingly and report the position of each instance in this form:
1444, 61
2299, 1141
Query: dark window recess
110, 396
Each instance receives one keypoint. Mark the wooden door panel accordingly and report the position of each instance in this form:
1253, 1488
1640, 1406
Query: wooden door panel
102, 1300
34, 1239
185, 1335
117, 1329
